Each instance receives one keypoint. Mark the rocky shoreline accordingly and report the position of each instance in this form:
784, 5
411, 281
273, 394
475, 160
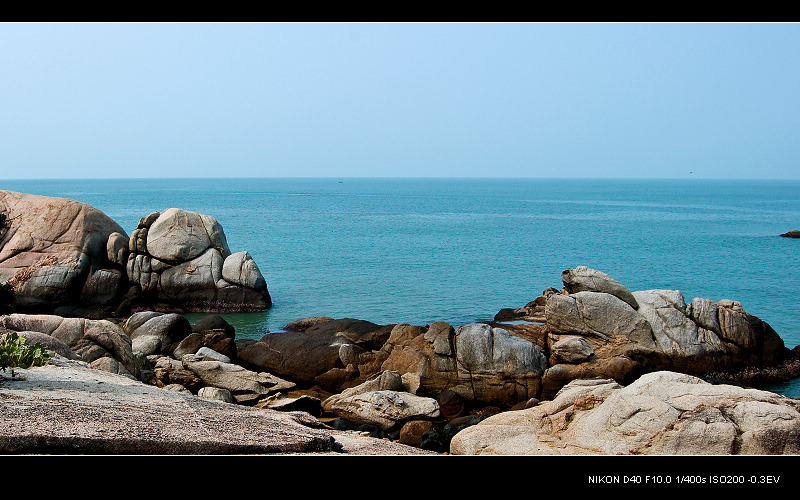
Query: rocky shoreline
588, 367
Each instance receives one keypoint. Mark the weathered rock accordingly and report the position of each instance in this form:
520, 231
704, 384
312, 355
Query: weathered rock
88, 339
662, 413
71, 409
179, 259
331, 354
178, 235
413, 431
240, 269
49, 342
571, 349
584, 279
282, 402
168, 371
169, 328
216, 394
246, 386
214, 322
206, 353
189, 345
51, 246
381, 402
499, 367
301, 325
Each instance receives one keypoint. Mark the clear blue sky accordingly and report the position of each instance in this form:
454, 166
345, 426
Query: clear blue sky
408, 99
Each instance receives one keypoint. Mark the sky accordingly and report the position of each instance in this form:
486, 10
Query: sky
542, 100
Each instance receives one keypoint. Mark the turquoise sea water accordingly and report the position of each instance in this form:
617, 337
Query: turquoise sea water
459, 250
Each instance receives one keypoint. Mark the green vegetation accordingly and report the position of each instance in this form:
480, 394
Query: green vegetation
15, 353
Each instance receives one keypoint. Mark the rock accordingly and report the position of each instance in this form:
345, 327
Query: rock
211, 355
88, 339
304, 324
177, 388
682, 344
117, 248
240, 269
168, 372
74, 409
281, 402
246, 386
49, 342
178, 235
379, 402
501, 367
179, 259
791, 234
413, 431
111, 365
147, 345
216, 394
214, 322
51, 246
331, 354
169, 328
662, 413
584, 279
189, 345
571, 349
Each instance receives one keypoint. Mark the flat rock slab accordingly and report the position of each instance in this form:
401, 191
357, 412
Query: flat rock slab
71, 408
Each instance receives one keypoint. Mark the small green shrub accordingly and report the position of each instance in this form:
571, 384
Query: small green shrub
15, 353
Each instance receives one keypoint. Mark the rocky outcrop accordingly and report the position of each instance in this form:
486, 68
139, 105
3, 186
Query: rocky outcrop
662, 332
661, 413
427, 383
791, 234
180, 261
58, 252
100, 343
70, 408
68, 258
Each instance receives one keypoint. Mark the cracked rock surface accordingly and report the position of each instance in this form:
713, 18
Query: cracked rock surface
71, 408
662, 413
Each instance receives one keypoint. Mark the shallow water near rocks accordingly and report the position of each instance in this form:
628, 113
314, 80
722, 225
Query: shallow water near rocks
459, 250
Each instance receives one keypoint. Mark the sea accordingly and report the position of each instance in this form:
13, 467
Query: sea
419, 250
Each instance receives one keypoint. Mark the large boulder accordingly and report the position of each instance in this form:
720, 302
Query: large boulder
153, 328
180, 261
58, 252
335, 354
661, 413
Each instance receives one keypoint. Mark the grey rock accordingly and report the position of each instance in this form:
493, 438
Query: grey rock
216, 394
572, 349
240, 269
661, 413
246, 386
584, 279
180, 235
381, 402
211, 355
